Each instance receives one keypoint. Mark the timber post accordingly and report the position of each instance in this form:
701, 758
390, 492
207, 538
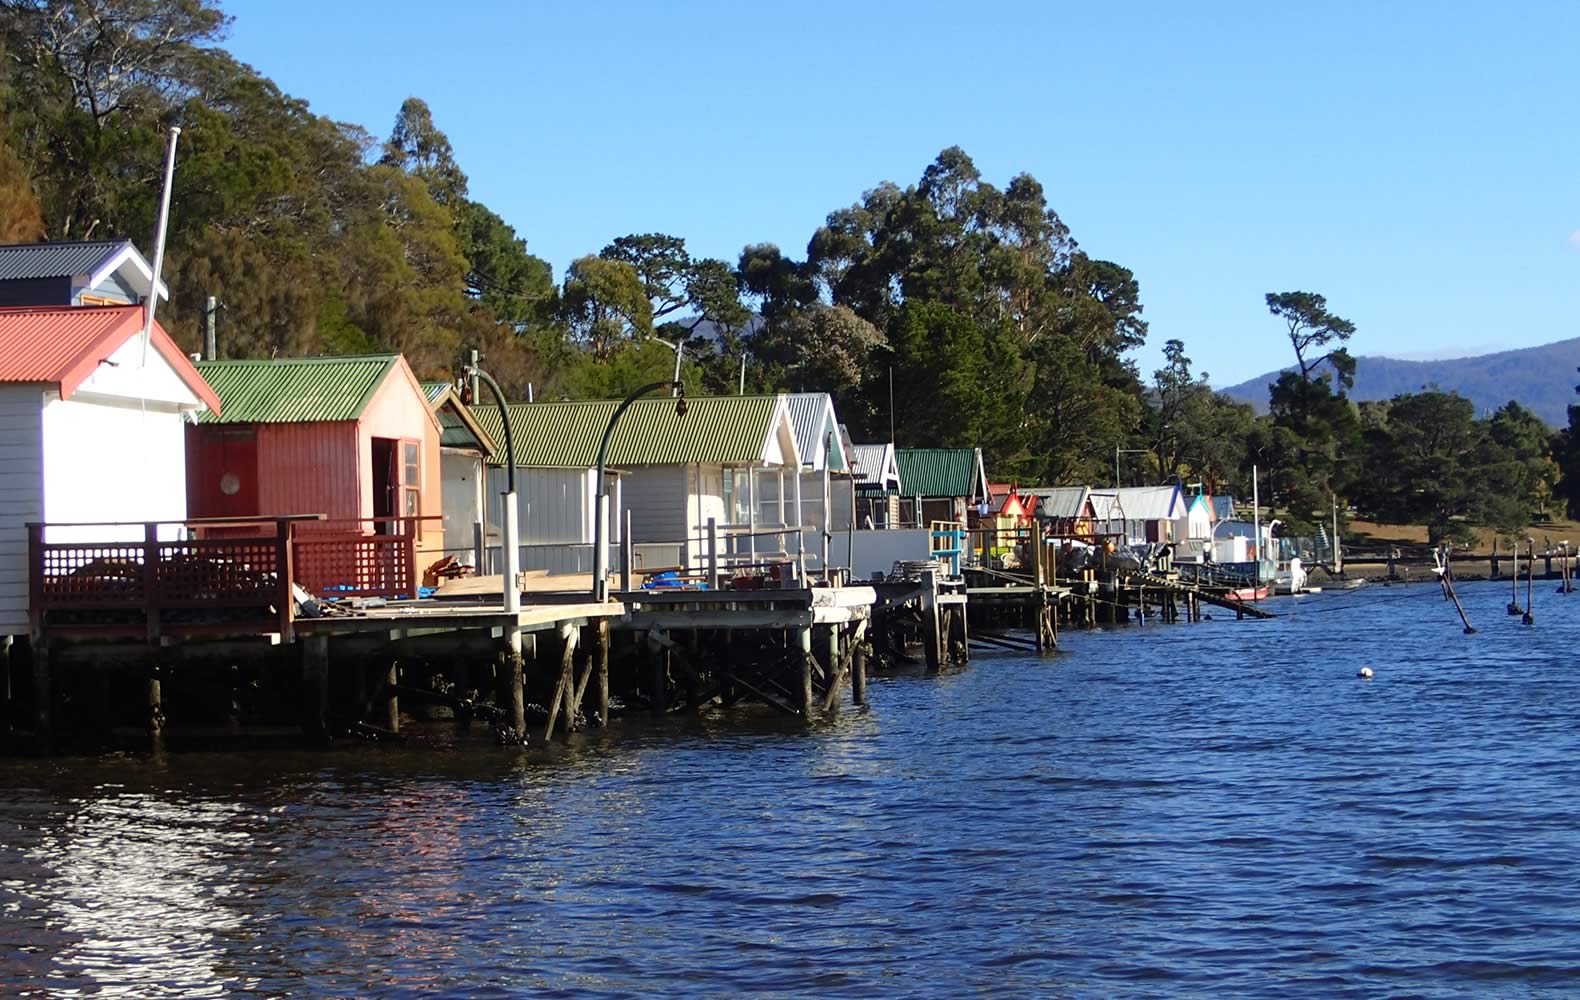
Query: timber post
315, 686
156, 707
601, 670
42, 721
713, 553
391, 697
803, 646
7, 647
512, 676
932, 640
860, 650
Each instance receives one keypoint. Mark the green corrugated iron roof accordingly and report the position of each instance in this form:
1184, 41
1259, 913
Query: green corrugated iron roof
458, 425
722, 429
939, 472
295, 390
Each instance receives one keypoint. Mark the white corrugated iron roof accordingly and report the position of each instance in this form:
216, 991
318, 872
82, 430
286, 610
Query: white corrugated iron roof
816, 427
1062, 501
876, 466
1145, 503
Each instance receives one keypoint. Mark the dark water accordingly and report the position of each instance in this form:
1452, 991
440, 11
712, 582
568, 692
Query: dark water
1209, 810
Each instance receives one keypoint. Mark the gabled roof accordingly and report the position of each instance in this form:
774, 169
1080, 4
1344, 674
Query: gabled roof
1222, 506
1063, 502
63, 345
91, 260
816, 427
876, 466
1147, 503
942, 472
297, 390
714, 430
458, 428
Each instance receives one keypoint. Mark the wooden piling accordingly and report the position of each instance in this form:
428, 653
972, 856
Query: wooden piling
42, 719
932, 639
156, 703
512, 676
391, 697
6, 645
315, 686
601, 670
803, 644
858, 665
832, 668
565, 687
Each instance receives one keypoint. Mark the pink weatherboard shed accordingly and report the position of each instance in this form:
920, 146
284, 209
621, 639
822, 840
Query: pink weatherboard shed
349, 438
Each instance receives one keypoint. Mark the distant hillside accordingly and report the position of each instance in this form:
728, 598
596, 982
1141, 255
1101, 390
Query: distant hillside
1541, 378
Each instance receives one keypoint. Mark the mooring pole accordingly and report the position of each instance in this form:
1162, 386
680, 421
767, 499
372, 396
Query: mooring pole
1530, 572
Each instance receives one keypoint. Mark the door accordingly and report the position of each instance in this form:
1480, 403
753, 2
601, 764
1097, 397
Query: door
386, 483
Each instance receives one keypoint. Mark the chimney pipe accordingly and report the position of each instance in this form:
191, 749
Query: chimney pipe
210, 337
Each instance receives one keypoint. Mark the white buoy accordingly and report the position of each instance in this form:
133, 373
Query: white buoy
1365, 673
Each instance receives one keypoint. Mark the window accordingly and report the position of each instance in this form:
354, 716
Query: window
411, 483
737, 496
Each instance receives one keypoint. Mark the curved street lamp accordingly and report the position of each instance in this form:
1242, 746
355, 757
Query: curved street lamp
600, 590
512, 530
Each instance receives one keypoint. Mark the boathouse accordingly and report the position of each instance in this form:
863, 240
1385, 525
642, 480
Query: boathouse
1197, 521
826, 481
92, 433
1141, 513
464, 449
352, 439
80, 273
1067, 510
672, 472
941, 484
877, 486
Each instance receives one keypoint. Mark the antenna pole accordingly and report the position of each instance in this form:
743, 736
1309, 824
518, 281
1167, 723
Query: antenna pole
159, 242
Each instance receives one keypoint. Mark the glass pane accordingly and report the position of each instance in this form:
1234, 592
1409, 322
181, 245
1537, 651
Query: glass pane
412, 508
410, 461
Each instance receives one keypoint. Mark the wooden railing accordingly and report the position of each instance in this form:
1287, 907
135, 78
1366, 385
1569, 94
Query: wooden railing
111, 583
358, 557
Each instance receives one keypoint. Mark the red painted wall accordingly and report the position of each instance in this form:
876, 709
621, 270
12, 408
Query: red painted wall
309, 469
212, 452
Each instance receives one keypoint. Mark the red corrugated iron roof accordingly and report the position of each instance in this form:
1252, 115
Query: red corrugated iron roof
63, 345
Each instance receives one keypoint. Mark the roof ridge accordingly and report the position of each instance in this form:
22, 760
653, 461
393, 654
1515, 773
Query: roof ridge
66, 243
97, 307
320, 359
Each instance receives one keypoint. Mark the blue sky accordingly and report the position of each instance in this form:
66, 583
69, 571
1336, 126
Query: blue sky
1418, 164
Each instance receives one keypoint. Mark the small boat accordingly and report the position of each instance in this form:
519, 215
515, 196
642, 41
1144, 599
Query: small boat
1250, 593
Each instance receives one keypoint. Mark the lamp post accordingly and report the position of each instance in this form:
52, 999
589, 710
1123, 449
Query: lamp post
600, 590
508, 512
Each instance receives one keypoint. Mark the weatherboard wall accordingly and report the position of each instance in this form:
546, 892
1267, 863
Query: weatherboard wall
21, 496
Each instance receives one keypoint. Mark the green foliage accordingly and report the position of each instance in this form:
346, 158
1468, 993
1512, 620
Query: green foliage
1312, 328
605, 304
1428, 460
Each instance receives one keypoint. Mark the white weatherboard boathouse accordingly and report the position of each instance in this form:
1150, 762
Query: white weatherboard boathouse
89, 432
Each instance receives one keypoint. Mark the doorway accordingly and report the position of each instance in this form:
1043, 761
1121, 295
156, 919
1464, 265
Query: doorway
386, 483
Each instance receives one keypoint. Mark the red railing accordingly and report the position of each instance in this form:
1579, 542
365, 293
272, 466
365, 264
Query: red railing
358, 557
160, 587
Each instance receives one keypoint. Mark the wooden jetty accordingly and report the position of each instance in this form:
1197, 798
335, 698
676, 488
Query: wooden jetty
203, 629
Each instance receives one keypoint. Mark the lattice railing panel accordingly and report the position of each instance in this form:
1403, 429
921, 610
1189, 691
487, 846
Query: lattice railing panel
235, 571
103, 574
354, 565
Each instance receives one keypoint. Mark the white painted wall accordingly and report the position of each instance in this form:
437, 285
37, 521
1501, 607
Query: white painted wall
554, 506
110, 459
21, 496
878, 551
461, 480
659, 501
